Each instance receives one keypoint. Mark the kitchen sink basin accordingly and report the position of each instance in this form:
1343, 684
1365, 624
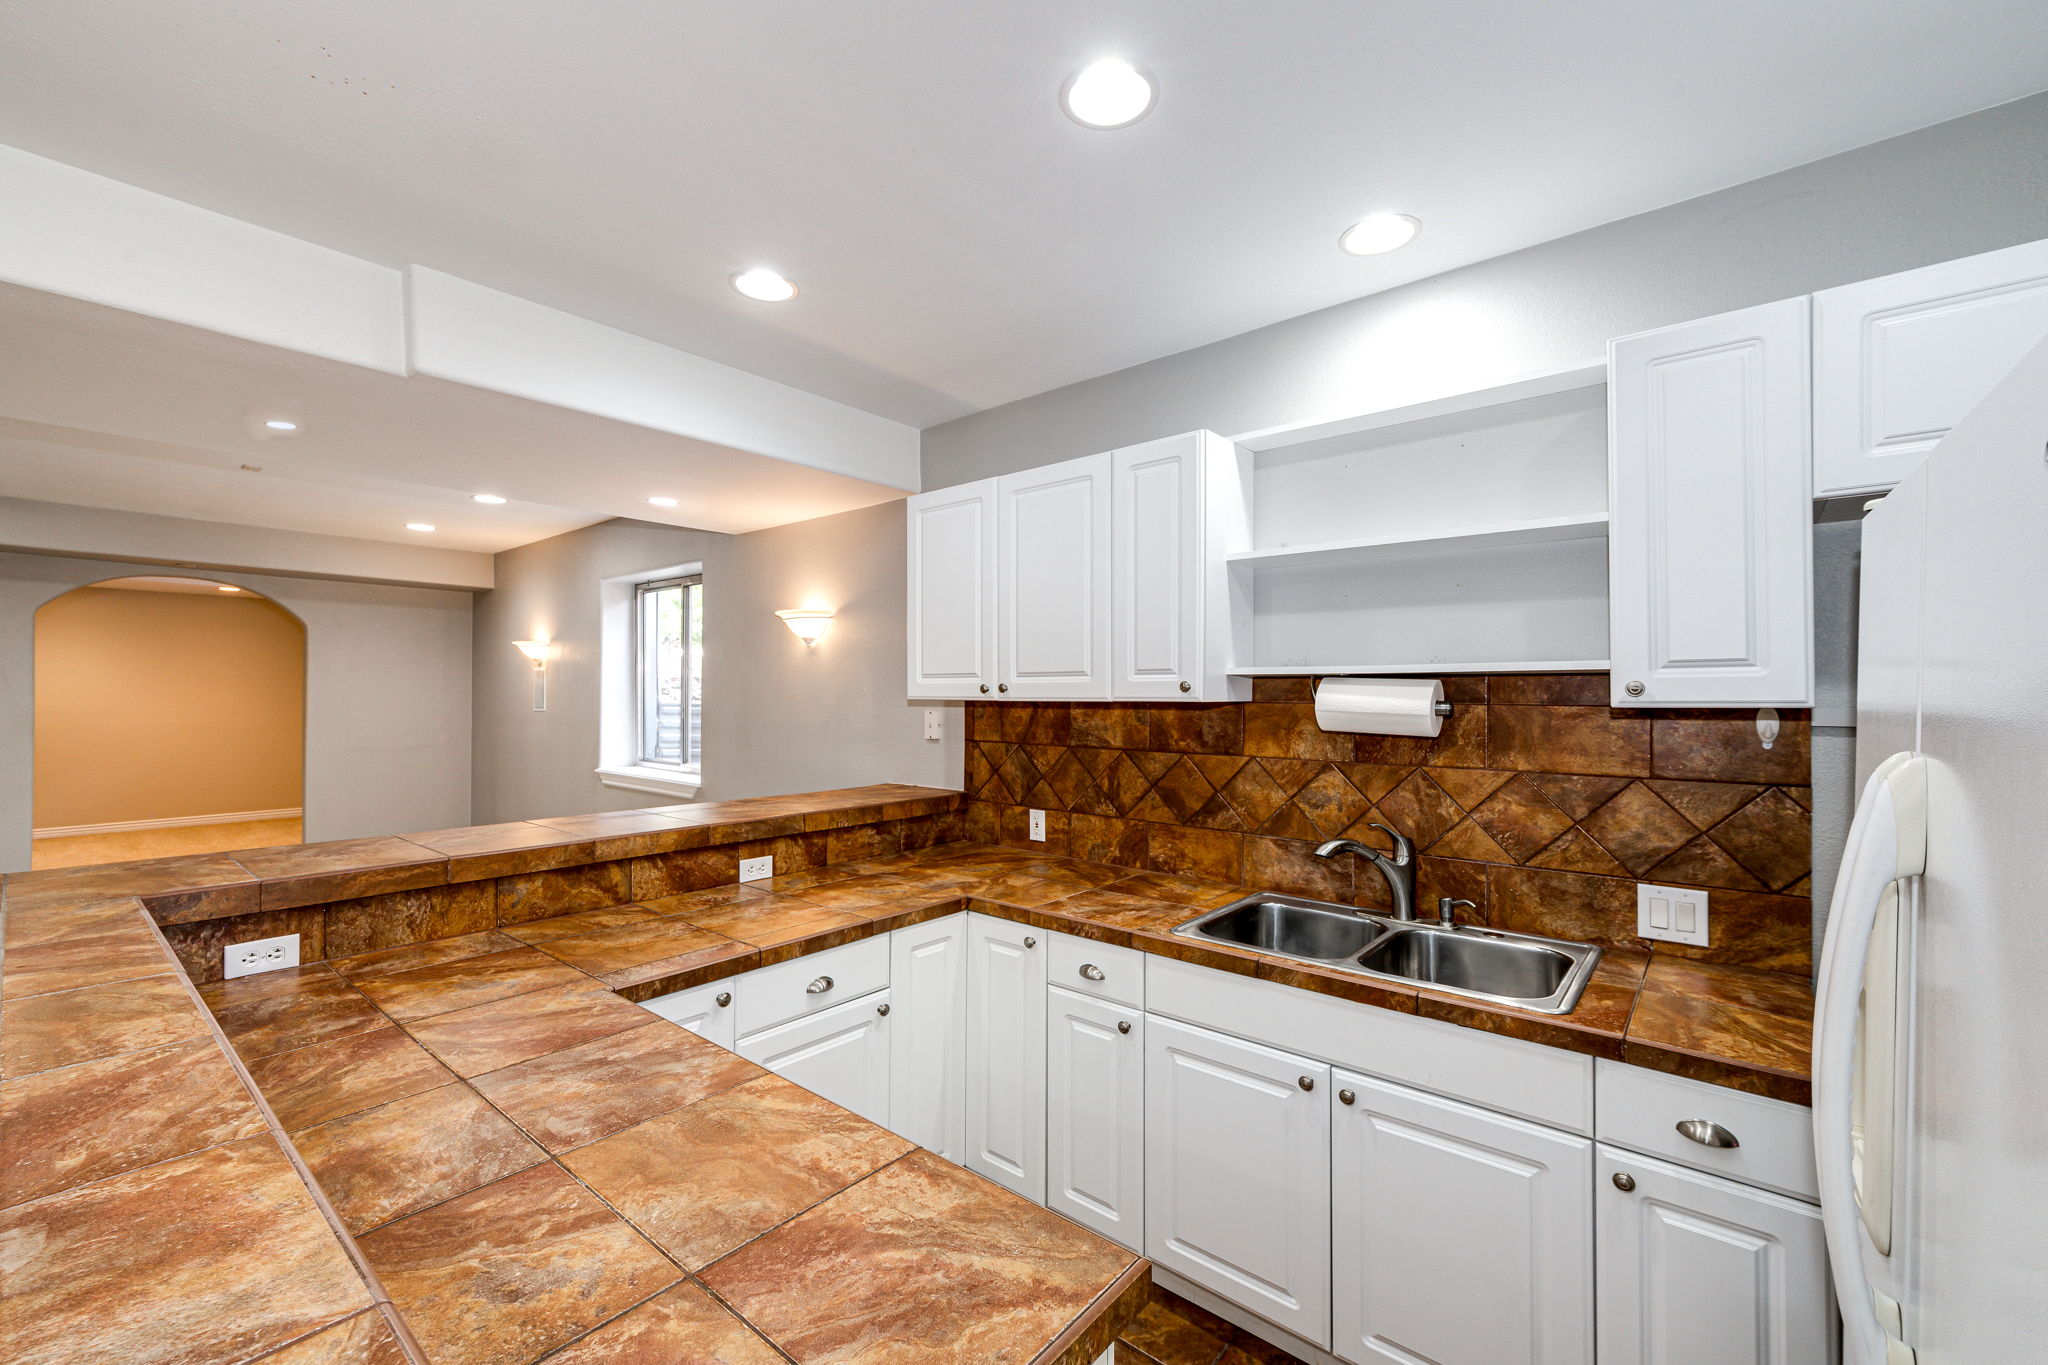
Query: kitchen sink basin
1292, 927
1544, 975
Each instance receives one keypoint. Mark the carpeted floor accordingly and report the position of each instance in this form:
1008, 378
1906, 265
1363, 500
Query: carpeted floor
84, 850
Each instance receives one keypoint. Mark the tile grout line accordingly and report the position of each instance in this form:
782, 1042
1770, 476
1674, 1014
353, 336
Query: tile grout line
379, 1296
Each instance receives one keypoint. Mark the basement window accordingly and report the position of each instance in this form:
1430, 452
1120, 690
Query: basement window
651, 711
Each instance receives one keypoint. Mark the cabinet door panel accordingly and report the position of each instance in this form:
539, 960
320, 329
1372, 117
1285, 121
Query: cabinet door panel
1460, 1236
1052, 581
1095, 1115
928, 1035
1696, 1270
705, 1010
1006, 1054
1156, 617
1897, 361
1237, 1172
841, 1053
1710, 544
952, 625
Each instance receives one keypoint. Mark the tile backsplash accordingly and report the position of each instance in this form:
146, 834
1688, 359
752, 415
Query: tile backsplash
1538, 802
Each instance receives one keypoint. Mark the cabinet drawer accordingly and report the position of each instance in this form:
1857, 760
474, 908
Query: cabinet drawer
1641, 1109
1100, 969
775, 995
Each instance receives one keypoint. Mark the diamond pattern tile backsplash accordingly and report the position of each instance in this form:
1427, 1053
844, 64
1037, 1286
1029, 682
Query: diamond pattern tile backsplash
1537, 802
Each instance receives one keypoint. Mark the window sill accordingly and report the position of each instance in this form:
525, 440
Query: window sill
658, 781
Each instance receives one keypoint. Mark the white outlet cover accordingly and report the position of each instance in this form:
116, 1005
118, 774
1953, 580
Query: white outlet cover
934, 725
1674, 914
259, 955
757, 869
1038, 825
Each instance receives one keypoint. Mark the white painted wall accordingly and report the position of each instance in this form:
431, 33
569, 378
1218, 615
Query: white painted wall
1961, 187
777, 717
387, 696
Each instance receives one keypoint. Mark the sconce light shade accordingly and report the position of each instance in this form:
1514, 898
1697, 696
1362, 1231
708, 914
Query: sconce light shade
807, 625
536, 650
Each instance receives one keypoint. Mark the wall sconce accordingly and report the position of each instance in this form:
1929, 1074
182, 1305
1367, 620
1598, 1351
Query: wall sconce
807, 625
538, 651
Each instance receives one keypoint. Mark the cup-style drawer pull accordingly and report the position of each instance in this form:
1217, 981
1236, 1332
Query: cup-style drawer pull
1307, 1083
1091, 972
1624, 1182
882, 1010
819, 987
723, 998
1707, 1133
1347, 1097
1123, 1026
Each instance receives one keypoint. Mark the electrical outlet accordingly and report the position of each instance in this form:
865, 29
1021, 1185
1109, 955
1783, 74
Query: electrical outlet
934, 725
757, 869
1038, 825
1675, 914
259, 955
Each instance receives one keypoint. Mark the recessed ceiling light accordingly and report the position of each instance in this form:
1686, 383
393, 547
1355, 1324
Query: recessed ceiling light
491, 498
419, 526
662, 502
280, 424
765, 285
1378, 233
227, 587
1110, 93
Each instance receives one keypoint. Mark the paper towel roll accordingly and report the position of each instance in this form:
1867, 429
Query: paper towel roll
1380, 706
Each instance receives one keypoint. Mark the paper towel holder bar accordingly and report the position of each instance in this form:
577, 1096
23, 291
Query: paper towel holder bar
1442, 708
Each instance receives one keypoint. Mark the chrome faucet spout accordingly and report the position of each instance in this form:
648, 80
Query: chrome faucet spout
1398, 867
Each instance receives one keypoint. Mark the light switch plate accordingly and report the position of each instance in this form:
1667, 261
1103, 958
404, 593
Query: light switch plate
259, 955
757, 869
934, 725
1038, 825
1675, 914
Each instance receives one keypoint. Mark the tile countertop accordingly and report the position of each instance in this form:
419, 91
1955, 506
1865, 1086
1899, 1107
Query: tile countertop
474, 1149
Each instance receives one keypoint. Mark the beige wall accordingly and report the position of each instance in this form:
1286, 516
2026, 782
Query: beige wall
151, 705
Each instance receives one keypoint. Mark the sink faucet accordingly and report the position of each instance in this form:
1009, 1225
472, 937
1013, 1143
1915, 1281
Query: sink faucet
1398, 867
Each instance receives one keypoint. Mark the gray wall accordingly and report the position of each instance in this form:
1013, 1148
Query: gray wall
387, 696
777, 717
1961, 187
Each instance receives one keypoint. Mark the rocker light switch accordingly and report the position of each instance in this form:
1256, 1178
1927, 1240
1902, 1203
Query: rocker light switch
1675, 914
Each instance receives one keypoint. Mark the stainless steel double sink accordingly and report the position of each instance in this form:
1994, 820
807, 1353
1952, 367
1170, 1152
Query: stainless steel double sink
1545, 975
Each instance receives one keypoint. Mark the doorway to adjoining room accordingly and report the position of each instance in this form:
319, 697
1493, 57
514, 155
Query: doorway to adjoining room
169, 719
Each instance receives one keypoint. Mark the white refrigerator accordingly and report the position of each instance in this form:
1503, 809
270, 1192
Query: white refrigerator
1931, 1040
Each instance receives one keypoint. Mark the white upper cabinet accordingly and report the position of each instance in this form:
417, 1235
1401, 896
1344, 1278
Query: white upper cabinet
1897, 361
952, 540
1177, 508
1710, 541
1459, 1236
1052, 581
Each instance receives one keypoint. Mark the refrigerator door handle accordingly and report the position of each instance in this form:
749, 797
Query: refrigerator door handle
1887, 842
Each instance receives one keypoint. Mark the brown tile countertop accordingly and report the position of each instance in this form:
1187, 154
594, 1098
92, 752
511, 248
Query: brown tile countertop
473, 1149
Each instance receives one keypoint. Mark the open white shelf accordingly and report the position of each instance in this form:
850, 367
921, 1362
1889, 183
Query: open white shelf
1432, 668
1585, 526
1465, 533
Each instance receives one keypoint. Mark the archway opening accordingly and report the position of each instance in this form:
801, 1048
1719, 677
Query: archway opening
170, 717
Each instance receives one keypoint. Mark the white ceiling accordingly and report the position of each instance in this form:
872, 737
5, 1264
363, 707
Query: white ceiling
958, 241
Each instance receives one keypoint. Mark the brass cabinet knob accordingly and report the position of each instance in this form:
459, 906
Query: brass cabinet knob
1307, 1083
1123, 1026
1624, 1182
819, 987
724, 998
984, 689
1002, 687
1347, 1097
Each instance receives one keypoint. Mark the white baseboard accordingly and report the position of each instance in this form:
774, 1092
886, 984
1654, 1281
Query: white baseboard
233, 817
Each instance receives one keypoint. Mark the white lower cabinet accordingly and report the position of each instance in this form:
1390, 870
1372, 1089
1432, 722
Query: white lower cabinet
1697, 1270
1095, 1114
841, 1053
1460, 1236
928, 1035
1237, 1172
1006, 1054
706, 1010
